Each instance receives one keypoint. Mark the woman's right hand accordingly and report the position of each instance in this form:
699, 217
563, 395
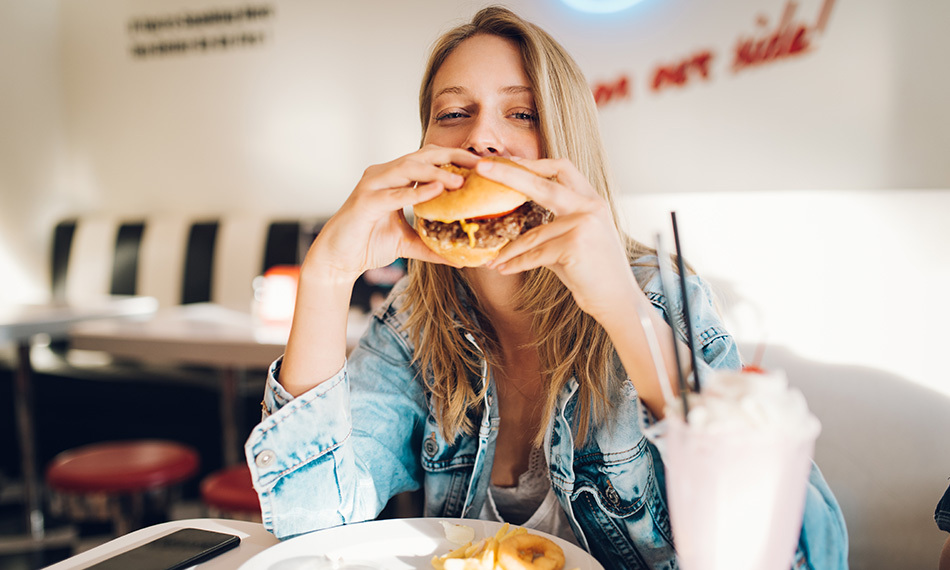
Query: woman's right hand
370, 230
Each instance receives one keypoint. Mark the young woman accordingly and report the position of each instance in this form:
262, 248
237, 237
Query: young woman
514, 391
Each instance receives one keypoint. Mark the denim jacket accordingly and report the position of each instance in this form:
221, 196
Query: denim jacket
337, 453
942, 512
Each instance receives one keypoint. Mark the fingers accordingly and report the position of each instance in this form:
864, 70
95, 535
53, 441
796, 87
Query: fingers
409, 180
566, 241
424, 166
555, 184
441, 155
408, 171
414, 178
411, 245
414, 194
539, 247
562, 171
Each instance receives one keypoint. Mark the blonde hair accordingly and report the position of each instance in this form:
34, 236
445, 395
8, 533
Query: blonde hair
570, 342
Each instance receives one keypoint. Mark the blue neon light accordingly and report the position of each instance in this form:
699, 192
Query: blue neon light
600, 6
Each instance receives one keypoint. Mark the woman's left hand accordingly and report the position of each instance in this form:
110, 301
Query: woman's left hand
581, 245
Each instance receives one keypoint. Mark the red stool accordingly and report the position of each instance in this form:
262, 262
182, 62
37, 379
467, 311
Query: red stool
229, 493
119, 481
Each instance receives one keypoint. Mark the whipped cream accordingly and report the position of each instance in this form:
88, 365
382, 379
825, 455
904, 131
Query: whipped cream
748, 401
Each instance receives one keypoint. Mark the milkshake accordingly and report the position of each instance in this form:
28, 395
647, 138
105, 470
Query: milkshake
737, 472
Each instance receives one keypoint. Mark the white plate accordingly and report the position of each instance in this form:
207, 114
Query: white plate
392, 544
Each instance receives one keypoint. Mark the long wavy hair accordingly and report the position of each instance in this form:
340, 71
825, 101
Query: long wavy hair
570, 343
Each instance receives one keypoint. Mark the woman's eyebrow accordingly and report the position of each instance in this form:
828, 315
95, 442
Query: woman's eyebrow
507, 90
516, 90
451, 91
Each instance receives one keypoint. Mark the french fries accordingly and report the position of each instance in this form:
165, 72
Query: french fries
480, 555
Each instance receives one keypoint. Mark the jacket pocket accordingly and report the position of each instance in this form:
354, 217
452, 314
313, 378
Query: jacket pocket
620, 504
448, 471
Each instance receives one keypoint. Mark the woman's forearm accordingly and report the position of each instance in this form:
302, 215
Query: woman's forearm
316, 348
632, 345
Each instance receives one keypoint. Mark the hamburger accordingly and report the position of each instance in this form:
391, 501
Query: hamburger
469, 225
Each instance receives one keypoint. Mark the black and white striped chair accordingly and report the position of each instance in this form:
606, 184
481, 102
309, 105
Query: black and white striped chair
177, 260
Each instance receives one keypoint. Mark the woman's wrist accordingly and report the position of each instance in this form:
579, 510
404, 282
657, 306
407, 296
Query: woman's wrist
316, 348
327, 277
623, 308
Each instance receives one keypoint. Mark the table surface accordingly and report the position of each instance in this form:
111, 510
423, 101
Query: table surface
19, 323
202, 334
254, 539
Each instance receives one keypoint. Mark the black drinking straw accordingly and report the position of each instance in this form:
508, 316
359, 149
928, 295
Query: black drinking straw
663, 260
689, 327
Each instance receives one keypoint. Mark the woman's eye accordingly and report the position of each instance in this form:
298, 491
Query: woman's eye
449, 115
525, 116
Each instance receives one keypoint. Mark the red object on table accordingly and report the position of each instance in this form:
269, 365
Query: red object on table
122, 467
231, 490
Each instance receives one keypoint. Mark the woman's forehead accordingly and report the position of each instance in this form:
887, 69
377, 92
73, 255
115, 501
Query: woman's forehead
482, 60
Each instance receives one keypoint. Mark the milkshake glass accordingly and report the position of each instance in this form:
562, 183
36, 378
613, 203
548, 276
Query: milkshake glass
737, 472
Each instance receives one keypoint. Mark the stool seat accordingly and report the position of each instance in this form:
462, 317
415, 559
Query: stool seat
230, 489
122, 467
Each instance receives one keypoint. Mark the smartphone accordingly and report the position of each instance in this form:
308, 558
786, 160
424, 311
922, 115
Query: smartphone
174, 551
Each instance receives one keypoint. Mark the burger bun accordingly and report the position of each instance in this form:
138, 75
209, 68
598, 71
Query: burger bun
461, 255
478, 196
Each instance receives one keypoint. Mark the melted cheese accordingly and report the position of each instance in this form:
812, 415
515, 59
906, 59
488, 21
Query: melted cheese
470, 228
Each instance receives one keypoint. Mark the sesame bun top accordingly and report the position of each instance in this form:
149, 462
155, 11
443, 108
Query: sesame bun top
478, 196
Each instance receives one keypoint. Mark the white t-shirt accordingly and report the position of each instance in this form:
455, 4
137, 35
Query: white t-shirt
531, 503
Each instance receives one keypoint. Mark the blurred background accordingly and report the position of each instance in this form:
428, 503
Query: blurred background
805, 146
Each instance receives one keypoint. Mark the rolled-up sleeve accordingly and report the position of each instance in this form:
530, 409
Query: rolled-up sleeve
715, 347
275, 396
295, 451
337, 453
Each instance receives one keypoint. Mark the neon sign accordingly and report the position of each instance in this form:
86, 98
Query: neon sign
600, 6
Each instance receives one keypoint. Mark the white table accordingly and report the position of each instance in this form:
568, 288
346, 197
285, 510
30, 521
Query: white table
254, 539
199, 334
20, 324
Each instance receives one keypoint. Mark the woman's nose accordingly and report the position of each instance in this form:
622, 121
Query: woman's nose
483, 139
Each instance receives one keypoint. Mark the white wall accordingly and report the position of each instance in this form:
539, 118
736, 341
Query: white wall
32, 144
861, 110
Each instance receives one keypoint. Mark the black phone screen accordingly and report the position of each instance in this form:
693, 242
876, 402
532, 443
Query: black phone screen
179, 549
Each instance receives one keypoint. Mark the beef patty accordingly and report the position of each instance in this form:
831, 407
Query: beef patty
491, 232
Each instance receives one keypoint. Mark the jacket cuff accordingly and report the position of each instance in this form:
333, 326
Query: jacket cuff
276, 396
276, 446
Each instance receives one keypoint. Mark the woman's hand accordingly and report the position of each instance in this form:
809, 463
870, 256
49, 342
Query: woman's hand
581, 245
370, 230
584, 249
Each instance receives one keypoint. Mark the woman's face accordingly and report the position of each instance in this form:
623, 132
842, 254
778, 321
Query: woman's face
482, 101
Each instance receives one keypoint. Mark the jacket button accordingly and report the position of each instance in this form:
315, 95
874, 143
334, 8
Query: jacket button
430, 446
265, 458
612, 495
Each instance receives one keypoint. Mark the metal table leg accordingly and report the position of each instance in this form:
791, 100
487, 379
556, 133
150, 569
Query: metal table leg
229, 415
23, 399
